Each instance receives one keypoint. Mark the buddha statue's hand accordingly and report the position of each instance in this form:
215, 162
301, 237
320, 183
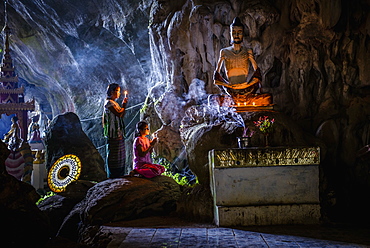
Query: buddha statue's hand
242, 85
238, 86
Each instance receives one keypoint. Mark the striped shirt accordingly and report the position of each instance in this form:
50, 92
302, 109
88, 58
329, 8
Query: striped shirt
114, 126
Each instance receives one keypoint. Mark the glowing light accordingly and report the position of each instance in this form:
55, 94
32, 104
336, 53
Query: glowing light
238, 104
254, 104
125, 93
245, 104
64, 171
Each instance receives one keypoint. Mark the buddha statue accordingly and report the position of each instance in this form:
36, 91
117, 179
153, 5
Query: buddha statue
236, 60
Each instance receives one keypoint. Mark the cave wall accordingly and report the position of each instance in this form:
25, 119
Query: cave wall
313, 54
67, 52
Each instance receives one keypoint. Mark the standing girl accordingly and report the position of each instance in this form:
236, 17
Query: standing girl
114, 128
142, 150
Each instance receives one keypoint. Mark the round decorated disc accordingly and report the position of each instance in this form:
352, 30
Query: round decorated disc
64, 171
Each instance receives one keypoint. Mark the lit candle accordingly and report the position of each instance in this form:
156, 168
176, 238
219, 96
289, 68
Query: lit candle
254, 104
125, 93
238, 104
245, 104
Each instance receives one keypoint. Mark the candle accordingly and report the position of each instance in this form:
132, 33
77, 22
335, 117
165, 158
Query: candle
125, 93
254, 104
245, 104
238, 104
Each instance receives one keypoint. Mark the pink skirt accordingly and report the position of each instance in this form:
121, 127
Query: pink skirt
149, 170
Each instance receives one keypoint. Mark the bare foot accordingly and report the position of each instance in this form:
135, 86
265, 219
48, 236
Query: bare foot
132, 173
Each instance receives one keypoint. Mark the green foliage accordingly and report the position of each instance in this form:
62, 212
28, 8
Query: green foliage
48, 194
144, 108
182, 180
145, 105
178, 177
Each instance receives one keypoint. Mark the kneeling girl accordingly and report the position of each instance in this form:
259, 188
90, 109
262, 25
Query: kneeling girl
142, 148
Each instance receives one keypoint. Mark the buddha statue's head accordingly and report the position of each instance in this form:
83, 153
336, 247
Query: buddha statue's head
236, 31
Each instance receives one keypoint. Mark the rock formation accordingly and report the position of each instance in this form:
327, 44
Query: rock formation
65, 136
24, 224
312, 56
66, 54
110, 201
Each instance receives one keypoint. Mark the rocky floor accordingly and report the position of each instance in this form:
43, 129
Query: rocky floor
176, 232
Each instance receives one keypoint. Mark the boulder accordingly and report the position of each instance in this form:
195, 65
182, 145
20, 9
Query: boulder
65, 136
24, 224
58, 206
129, 198
77, 190
19, 214
121, 199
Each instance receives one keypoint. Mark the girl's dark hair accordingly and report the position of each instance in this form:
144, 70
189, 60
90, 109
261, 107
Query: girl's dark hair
140, 126
112, 87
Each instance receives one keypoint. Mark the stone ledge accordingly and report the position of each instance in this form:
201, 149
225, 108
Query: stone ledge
292, 214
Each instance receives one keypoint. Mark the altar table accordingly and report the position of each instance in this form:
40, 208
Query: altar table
265, 185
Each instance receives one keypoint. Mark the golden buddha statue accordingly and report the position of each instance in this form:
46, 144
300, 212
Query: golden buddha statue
237, 60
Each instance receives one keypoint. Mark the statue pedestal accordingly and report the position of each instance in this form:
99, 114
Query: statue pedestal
265, 186
253, 108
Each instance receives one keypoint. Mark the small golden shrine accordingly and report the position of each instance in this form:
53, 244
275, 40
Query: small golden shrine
11, 95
